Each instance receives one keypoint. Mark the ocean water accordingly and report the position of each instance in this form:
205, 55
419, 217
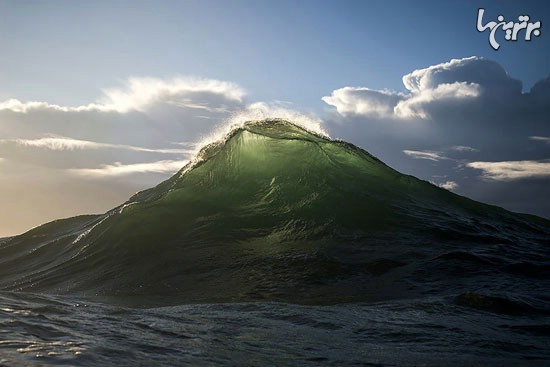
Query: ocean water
39, 330
281, 247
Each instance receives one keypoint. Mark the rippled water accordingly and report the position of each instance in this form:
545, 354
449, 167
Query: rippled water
40, 330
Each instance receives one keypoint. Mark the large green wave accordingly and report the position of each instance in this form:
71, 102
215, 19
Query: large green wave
271, 211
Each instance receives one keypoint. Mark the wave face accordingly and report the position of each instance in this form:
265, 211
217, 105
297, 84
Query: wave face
274, 212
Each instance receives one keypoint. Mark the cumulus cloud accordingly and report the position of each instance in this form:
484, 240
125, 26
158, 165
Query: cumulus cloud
470, 70
364, 101
447, 84
417, 103
512, 170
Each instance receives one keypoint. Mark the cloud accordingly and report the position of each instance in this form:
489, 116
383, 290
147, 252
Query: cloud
512, 170
119, 169
545, 139
448, 185
448, 84
139, 94
17, 106
58, 143
488, 74
143, 112
464, 148
364, 101
429, 155
418, 103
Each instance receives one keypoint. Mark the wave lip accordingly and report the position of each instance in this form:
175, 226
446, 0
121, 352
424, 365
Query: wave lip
272, 211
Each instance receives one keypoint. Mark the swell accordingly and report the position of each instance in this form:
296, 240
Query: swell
276, 212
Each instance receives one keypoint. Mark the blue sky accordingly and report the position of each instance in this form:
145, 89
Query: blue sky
100, 99
66, 51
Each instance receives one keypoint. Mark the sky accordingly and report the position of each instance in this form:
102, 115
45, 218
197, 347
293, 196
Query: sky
100, 99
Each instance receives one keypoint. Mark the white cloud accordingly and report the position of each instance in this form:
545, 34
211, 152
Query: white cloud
17, 106
60, 143
464, 148
512, 170
119, 169
415, 105
469, 70
56, 143
448, 185
446, 84
138, 94
545, 139
429, 155
364, 101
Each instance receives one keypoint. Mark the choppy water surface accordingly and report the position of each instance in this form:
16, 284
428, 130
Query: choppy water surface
39, 330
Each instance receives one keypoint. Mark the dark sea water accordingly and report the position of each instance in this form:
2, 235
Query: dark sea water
281, 247
39, 330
